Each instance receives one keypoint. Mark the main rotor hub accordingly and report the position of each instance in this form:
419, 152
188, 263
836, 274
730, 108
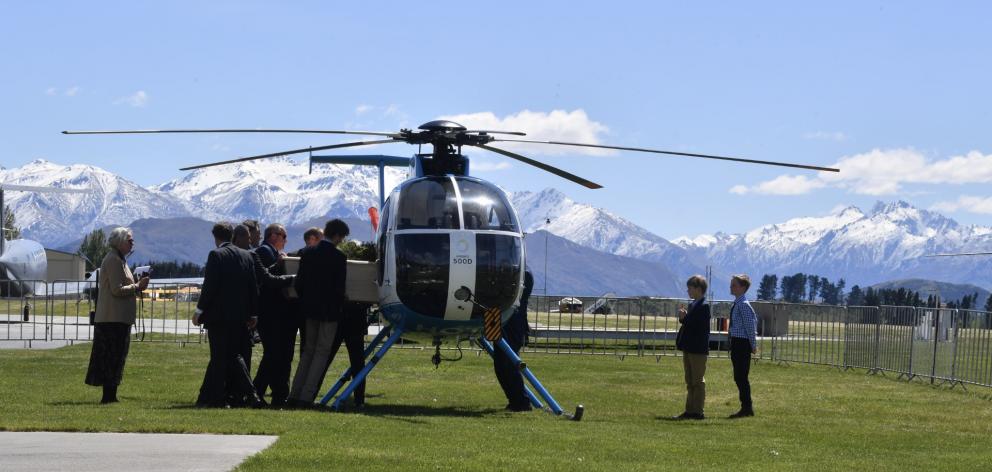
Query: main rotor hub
442, 126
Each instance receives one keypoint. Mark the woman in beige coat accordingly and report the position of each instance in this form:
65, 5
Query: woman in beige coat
115, 313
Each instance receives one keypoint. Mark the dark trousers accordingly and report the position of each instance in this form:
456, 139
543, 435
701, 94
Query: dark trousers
508, 374
226, 371
235, 394
740, 357
352, 334
279, 344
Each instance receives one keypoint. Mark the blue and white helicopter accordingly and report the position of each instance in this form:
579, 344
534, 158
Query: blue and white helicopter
450, 248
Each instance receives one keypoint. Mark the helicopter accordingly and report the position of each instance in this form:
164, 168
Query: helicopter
450, 249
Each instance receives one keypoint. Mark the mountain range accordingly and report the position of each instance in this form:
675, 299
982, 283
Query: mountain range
892, 241
887, 242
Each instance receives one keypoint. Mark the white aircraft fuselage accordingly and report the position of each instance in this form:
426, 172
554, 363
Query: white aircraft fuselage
22, 260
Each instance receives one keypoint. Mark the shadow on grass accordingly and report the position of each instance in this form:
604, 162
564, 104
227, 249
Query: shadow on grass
413, 411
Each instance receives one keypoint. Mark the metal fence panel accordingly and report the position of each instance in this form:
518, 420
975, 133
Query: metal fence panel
23, 315
164, 312
944, 345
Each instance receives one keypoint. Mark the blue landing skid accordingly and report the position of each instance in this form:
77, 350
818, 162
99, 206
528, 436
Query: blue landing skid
394, 335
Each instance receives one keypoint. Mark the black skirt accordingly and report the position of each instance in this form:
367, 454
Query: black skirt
111, 342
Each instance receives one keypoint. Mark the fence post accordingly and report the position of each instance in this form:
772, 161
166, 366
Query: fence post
955, 321
936, 334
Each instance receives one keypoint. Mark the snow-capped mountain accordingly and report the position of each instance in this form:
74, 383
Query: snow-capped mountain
55, 218
888, 242
281, 190
599, 229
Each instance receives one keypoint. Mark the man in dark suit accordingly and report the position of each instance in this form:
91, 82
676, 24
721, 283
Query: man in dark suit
515, 333
320, 284
693, 340
277, 324
228, 306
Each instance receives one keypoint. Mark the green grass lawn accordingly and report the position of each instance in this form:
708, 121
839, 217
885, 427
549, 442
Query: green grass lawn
809, 417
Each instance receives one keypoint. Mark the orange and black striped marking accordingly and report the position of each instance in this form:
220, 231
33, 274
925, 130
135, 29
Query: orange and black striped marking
491, 326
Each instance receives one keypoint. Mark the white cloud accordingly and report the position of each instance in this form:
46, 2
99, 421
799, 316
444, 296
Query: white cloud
781, 185
557, 125
137, 99
489, 166
51, 91
885, 172
826, 136
970, 204
72, 91
363, 109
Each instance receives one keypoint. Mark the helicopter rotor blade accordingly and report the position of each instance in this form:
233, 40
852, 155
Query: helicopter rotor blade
293, 151
543, 166
162, 131
674, 153
960, 254
489, 131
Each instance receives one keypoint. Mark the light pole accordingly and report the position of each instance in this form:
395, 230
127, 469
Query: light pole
547, 221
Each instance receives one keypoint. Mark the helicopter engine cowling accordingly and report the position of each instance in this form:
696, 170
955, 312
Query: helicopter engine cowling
439, 234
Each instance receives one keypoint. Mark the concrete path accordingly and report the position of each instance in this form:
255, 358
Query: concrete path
82, 452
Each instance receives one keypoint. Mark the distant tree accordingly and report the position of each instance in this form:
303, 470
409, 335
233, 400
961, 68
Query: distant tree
872, 297
839, 286
794, 288
10, 231
988, 303
94, 248
768, 287
174, 269
829, 292
358, 251
856, 297
813, 281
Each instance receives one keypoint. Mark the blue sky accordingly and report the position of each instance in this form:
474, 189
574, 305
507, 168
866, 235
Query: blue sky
896, 92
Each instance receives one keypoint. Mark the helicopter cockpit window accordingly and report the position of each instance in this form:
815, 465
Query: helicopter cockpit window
430, 203
485, 207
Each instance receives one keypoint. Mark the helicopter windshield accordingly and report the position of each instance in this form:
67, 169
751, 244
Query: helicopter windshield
428, 203
485, 207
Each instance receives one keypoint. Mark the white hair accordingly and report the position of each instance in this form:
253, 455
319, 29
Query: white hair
118, 236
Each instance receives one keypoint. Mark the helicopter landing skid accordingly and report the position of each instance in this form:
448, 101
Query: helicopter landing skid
394, 335
552, 404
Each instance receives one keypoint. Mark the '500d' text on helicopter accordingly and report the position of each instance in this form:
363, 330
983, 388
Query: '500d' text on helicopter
450, 247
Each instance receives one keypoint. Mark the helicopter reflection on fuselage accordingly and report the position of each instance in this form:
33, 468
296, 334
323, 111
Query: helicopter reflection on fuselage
440, 233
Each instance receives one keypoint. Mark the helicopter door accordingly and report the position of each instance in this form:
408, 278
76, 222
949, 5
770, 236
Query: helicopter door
462, 273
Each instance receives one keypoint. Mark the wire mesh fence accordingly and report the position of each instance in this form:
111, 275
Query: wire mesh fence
939, 345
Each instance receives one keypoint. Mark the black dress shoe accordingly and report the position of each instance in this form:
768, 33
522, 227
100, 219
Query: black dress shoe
519, 408
741, 414
257, 403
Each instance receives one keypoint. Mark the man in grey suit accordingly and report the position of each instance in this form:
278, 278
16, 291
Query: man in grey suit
320, 283
228, 307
